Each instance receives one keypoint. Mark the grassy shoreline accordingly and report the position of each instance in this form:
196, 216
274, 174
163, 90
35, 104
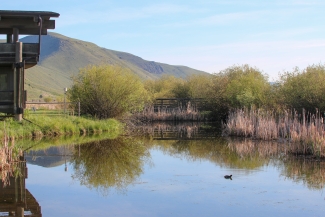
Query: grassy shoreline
44, 126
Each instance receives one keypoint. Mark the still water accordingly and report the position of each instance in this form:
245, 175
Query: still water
174, 171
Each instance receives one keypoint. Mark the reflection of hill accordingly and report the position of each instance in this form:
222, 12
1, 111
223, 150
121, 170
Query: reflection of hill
51, 157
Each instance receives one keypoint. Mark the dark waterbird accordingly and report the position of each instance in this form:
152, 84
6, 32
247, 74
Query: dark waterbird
228, 177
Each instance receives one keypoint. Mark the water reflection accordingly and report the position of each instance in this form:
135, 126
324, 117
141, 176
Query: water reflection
218, 151
246, 148
248, 155
10, 160
311, 172
303, 169
51, 157
109, 163
15, 199
116, 164
179, 131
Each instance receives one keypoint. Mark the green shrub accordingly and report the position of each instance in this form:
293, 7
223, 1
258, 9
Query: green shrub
107, 91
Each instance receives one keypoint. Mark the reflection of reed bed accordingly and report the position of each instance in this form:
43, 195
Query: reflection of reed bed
308, 171
247, 148
305, 133
187, 113
161, 129
9, 162
214, 150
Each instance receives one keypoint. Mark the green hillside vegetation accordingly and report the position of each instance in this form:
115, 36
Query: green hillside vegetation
62, 57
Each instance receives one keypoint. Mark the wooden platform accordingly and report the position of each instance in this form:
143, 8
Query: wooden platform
16, 56
8, 54
26, 21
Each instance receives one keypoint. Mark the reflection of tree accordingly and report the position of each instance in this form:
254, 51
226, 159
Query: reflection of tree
249, 154
215, 150
109, 163
308, 171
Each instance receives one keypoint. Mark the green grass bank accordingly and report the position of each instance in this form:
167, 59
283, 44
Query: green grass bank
45, 126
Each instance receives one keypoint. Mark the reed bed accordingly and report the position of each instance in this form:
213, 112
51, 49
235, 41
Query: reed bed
164, 113
304, 133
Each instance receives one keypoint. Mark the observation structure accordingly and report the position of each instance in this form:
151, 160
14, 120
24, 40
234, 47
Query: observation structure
16, 56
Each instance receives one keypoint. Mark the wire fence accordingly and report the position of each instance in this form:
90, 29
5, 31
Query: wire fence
53, 108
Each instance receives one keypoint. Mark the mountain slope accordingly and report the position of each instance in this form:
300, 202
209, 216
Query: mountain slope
62, 57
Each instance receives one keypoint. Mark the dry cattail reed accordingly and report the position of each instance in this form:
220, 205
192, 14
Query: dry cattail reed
304, 133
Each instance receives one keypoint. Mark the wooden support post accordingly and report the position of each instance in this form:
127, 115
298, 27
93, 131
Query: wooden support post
16, 34
18, 82
19, 211
9, 38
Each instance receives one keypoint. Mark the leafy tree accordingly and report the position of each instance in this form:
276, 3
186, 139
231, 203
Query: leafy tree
234, 87
195, 86
167, 87
107, 91
181, 90
303, 89
246, 86
200, 86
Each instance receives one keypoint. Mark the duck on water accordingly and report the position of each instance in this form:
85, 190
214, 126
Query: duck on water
228, 177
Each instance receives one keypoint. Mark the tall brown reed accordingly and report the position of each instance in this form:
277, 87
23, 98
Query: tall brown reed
304, 133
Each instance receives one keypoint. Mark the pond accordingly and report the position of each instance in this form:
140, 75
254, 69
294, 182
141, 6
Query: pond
173, 171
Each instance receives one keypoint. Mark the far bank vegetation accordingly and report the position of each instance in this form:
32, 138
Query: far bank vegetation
290, 108
112, 91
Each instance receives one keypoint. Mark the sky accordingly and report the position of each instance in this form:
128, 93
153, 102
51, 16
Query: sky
209, 35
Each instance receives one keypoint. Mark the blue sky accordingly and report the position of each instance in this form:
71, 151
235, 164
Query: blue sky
209, 35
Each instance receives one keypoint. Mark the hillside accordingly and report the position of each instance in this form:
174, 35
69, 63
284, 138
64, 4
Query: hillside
61, 57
